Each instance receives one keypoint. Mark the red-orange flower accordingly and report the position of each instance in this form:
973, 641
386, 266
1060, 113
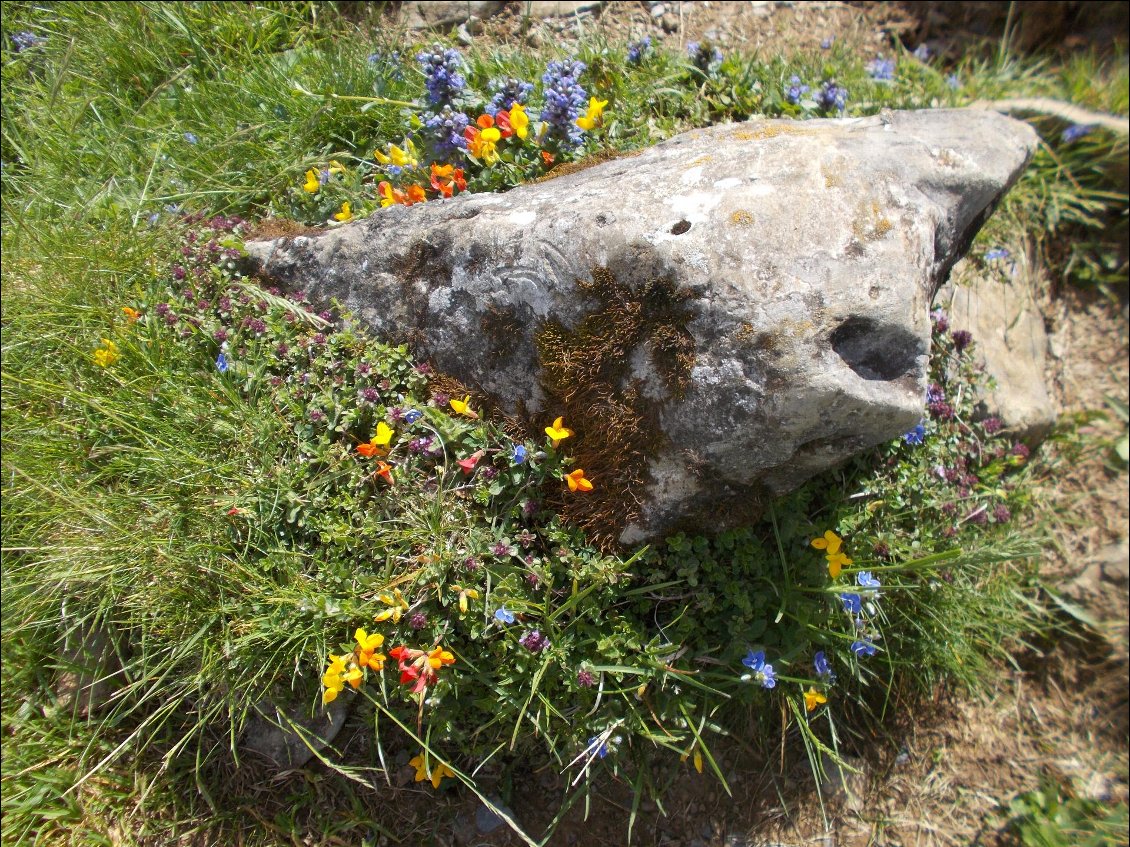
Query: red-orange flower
485, 121
384, 471
547, 157
416, 195
468, 464
420, 667
446, 178
502, 121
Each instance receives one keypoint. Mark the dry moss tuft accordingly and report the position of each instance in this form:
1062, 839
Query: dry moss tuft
587, 377
598, 158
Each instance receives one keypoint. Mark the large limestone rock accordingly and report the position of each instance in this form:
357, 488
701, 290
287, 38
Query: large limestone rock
719, 317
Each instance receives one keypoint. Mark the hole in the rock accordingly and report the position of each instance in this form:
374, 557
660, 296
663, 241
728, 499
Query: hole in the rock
680, 227
875, 350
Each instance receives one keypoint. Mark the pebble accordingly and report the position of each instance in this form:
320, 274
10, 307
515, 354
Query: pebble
657, 10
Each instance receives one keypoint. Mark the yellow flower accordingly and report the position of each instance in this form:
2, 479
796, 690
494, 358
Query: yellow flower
558, 432
697, 757
336, 167
463, 407
829, 541
403, 158
332, 679
439, 772
519, 120
367, 646
312, 184
131, 314
593, 116
107, 354
438, 657
464, 594
383, 436
813, 698
836, 562
345, 214
398, 606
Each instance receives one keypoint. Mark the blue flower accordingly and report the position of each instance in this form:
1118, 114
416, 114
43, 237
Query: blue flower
153, 218
864, 647
441, 74
26, 40
190, 137
826, 44
853, 603
1074, 132
637, 50
881, 69
866, 580
520, 454
996, 253
447, 127
822, 665
507, 92
597, 746
222, 363
797, 90
413, 415
832, 97
706, 57
565, 99
953, 82
921, 52
762, 673
916, 436
503, 615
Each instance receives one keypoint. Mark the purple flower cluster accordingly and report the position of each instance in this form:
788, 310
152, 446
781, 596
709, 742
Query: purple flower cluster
962, 339
442, 75
881, 70
941, 321
1073, 133
26, 40
534, 641
565, 99
832, 97
446, 127
797, 90
638, 49
585, 678
705, 56
507, 92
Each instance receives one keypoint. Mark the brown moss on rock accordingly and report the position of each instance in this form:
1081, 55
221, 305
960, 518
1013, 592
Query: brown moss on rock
587, 376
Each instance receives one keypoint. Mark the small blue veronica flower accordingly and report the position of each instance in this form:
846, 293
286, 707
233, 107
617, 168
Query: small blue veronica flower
1074, 132
520, 454
916, 436
598, 746
866, 580
853, 603
153, 218
826, 44
762, 672
832, 97
26, 40
797, 90
953, 82
822, 665
190, 137
503, 615
881, 69
864, 647
222, 363
413, 415
996, 253
922, 53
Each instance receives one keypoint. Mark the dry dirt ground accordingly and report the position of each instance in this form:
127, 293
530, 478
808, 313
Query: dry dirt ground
942, 776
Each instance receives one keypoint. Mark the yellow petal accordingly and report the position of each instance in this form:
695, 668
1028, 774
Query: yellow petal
384, 434
697, 760
328, 696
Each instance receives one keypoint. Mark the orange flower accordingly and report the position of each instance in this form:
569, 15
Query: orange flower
416, 195
502, 121
547, 157
420, 667
131, 314
384, 471
577, 481
485, 121
390, 195
813, 699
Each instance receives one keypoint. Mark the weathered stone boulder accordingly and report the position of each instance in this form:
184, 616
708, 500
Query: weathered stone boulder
719, 317
998, 306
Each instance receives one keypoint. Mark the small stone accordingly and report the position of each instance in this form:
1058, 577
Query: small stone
487, 821
463, 36
1115, 561
289, 737
658, 10
669, 22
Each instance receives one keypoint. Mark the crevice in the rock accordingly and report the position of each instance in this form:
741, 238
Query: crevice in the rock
876, 351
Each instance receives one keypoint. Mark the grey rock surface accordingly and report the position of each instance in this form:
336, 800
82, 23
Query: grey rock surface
719, 317
90, 671
441, 13
998, 306
289, 736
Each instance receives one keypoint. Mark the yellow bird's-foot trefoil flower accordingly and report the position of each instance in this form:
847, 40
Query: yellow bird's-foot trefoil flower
593, 117
107, 354
577, 482
346, 213
397, 606
439, 772
558, 432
